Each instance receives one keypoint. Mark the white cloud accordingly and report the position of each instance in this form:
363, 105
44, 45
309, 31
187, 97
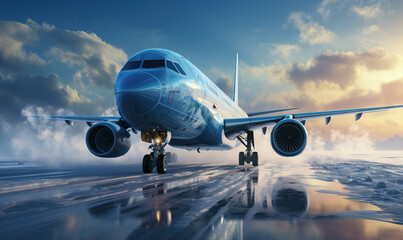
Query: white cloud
368, 12
87, 51
370, 29
73, 96
18, 91
324, 8
23, 48
112, 111
310, 31
257, 83
343, 68
13, 37
284, 50
99, 59
77, 79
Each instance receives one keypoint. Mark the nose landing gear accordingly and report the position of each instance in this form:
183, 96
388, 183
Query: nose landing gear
157, 158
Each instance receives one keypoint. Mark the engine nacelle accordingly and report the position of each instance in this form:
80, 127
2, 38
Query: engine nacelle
106, 139
288, 137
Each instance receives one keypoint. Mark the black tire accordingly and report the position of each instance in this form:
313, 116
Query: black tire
255, 160
241, 158
162, 163
147, 164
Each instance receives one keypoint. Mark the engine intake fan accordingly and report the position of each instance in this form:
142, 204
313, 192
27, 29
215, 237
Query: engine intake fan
288, 137
106, 139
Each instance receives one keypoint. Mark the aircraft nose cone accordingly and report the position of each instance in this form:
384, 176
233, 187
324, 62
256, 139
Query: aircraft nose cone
137, 93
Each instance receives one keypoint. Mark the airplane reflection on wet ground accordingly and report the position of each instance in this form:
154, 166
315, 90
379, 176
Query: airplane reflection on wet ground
273, 201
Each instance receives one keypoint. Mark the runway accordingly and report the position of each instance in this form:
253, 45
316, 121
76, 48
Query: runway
313, 199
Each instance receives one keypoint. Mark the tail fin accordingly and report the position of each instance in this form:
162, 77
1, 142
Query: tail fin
235, 96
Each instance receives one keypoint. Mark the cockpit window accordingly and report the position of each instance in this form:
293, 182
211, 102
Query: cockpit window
153, 63
130, 65
171, 66
179, 68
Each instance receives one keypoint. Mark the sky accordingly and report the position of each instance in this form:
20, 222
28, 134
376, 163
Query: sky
62, 58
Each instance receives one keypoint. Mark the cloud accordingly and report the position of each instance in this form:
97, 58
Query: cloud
324, 8
309, 31
99, 59
29, 51
14, 36
257, 83
81, 49
331, 81
225, 83
31, 55
284, 50
334, 80
22, 90
388, 94
370, 29
341, 68
368, 12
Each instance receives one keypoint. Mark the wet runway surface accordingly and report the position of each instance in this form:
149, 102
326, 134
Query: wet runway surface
313, 199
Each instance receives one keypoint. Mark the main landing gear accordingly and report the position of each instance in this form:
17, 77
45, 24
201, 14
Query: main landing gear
157, 158
248, 156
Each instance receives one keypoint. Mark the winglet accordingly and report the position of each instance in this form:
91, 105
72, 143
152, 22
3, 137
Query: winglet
235, 96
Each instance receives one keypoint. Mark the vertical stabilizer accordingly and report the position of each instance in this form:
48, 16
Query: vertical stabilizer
235, 96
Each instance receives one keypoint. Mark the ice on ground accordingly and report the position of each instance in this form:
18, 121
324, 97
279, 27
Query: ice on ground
378, 183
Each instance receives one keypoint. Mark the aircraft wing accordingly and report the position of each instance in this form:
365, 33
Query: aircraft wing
252, 114
233, 127
71, 119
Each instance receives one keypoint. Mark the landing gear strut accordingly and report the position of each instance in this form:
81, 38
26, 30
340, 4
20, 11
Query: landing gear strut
248, 156
157, 158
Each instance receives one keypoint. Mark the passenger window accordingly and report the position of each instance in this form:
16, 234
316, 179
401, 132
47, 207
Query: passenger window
130, 65
153, 63
171, 66
179, 68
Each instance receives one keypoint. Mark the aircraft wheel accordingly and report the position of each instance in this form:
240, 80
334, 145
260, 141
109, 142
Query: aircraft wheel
162, 163
241, 158
255, 159
148, 164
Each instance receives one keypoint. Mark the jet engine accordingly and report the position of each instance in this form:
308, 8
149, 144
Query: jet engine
288, 137
106, 139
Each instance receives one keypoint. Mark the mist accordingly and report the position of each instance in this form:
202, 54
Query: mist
56, 143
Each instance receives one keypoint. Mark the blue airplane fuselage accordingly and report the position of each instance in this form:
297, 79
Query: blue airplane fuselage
153, 92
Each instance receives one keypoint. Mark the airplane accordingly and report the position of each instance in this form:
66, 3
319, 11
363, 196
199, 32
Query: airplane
162, 95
